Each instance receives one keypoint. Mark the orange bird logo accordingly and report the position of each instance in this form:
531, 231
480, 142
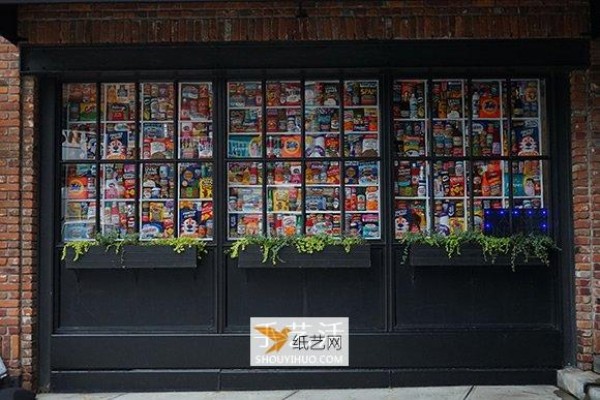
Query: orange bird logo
279, 337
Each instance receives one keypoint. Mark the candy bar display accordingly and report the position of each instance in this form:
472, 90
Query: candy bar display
245, 196
448, 139
362, 196
79, 202
410, 216
527, 184
485, 100
196, 217
195, 120
80, 115
361, 119
447, 99
322, 119
284, 198
449, 216
118, 199
157, 129
157, 204
118, 121
486, 138
284, 119
244, 103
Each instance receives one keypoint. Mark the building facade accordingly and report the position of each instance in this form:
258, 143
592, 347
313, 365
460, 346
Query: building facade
63, 329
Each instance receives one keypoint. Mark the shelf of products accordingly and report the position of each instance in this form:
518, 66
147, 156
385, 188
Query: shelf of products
244, 116
468, 121
195, 120
80, 118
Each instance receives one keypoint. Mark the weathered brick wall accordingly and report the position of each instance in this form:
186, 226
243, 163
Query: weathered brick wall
17, 216
327, 20
278, 21
585, 126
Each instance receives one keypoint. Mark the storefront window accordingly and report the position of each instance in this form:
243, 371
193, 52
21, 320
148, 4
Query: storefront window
155, 168
301, 156
319, 158
461, 153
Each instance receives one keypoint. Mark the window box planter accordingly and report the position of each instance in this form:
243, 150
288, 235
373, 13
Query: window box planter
420, 255
330, 257
158, 257
97, 257
133, 257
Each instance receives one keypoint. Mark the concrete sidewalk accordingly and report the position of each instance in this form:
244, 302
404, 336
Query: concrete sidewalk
428, 393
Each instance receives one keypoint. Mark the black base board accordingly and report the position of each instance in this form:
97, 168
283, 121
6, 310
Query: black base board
289, 379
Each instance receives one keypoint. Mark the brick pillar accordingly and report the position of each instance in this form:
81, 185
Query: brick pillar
585, 128
17, 215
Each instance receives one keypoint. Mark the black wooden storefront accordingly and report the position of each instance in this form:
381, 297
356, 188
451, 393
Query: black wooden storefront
187, 329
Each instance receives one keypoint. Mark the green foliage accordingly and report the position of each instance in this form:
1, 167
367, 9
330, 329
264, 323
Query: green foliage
271, 246
113, 240
518, 247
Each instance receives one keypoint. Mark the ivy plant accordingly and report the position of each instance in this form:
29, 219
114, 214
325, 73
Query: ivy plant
116, 242
517, 247
271, 246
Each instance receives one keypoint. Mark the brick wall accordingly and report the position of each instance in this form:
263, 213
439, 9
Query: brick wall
585, 122
327, 20
271, 20
17, 216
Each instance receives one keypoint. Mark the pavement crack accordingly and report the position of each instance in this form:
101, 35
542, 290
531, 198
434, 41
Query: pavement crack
290, 395
469, 392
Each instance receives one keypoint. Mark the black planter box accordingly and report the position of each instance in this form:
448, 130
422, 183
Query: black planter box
97, 257
330, 257
133, 257
433, 256
158, 257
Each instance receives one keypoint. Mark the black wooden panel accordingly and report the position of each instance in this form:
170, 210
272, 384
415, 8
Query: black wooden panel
212, 380
342, 54
288, 257
137, 300
356, 293
455, 295
420, 349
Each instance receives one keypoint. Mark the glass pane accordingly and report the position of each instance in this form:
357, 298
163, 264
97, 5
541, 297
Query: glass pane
118, 198
410, 138
449, 216
322, 119
244, 119
448, 138
450, 195
489, 189
245, 198
157, 205
487, 140
525, 96
323, 211
361, 118
80, 115
195, 116
157, 123
196, 200
528, 184
284, 198
411, 194
409, 100
79, 202
447, 100
284, 119
361, 179
485, 100
118, 141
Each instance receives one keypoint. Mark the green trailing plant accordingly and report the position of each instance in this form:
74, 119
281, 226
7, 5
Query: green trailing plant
271, 246
116, 242
517, 247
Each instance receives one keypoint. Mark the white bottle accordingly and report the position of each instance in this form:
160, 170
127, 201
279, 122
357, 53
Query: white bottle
413, 106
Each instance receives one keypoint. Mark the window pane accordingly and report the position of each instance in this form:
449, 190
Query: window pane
489, 189
528, 184
361, 178
157, 120
411, 194
449, 196
118, 199
195, 120
157, 204
361, 118
322, 119
80, 116
284, 119
79, 202
196, 217
244, 119
284, 198
245, 198
323, 209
